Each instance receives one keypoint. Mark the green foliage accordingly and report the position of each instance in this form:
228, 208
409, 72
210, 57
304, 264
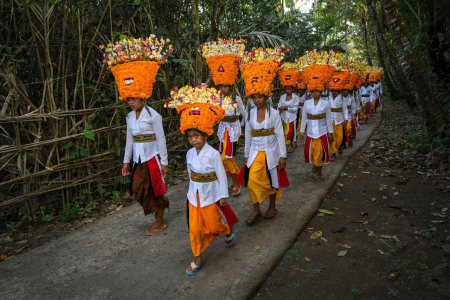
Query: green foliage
291, 255
45, 215
69, 213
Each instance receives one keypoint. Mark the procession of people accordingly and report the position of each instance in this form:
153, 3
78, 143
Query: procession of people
327, 98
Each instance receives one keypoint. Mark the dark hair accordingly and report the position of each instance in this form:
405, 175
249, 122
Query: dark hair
194, 129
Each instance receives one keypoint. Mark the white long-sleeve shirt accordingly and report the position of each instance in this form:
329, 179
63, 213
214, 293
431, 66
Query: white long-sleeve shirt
207, 161
290, 114
338, 102
273, 145
365, 91
146, 124
350, 102
316, 128
234, 128
357, 102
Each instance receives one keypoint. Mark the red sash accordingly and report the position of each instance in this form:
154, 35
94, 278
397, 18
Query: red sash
159, 188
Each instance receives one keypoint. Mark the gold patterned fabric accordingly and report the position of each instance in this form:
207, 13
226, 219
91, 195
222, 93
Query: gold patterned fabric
301, 104
230, 119
349, 107
316, 117
146, 138
336, 109
197, 177
263, 132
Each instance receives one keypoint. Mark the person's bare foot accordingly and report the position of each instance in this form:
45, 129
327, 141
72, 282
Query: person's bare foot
155, 229
270, 213
253, 217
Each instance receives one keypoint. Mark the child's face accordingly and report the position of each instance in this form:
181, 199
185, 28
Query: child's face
288, 90
197, 139
345, 93
301, 92
225, 89
334, 93
316, 94
135, 103
259, 100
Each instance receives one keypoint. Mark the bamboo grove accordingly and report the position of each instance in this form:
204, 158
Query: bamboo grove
62, 124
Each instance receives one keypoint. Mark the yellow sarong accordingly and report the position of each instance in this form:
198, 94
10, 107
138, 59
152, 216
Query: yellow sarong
363, 111
349, 129
317, 155
204, 226
228, 163
259, 187
338, 136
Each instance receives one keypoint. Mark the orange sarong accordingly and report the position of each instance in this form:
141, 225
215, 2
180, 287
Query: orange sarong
204, 226
259, 186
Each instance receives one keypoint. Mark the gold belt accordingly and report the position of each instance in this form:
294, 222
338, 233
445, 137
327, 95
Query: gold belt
230, 119
301, 104
336, 109
263, 132
144, 138
210, 177
349, 106
316, 117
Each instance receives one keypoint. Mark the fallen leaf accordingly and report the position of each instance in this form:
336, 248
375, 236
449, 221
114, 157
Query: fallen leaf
343, 174
363, 213
3, 256
395, 238
119, 208
370, 233
325, 211
321, 214
340, 184
295, 268
433, 228
85, 243
310, 228
382, 187
444, 209
373, 199
439, 215
385, 236
307, 258
381, 252
345, 246
8, 239
323, 239
396, 193
342, 253
316, 235
392, 276
257, 247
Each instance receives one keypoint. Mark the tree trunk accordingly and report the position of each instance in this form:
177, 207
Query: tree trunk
380, 36
434, 115
215, 19
291, 7
366, 38
196, 36
394, 92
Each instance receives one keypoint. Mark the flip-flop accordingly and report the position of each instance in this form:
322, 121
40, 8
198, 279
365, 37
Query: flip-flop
194, 267
158, 230
254, 219
267, 217
318, 179
231, 238
291, 150
235, 191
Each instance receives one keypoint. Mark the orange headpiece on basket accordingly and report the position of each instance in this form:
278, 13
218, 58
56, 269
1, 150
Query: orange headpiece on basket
199, 107
223, 58
372, 77
301, 82
337, 81
134, 64
288, 74
259, 68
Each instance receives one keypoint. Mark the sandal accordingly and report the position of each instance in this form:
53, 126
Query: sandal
251, 220
291, 150
229, 241
271, 215
236, 190
230, 188
194, 269
155, 231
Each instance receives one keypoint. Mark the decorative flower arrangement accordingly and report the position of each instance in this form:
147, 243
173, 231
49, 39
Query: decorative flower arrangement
199, 107
223, 58
259, 68
223, 47
288, 74
338, 80
263, 54
134, 64
301, 82
128, 50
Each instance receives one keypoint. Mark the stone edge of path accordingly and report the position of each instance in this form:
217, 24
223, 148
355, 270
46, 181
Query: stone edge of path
305, 214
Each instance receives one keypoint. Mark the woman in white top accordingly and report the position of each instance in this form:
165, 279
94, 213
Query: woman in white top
350, 131
146, 145
265, 158
288, 107
339, 115
229, 132
365, 102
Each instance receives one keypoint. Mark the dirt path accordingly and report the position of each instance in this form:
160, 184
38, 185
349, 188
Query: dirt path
389, 234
